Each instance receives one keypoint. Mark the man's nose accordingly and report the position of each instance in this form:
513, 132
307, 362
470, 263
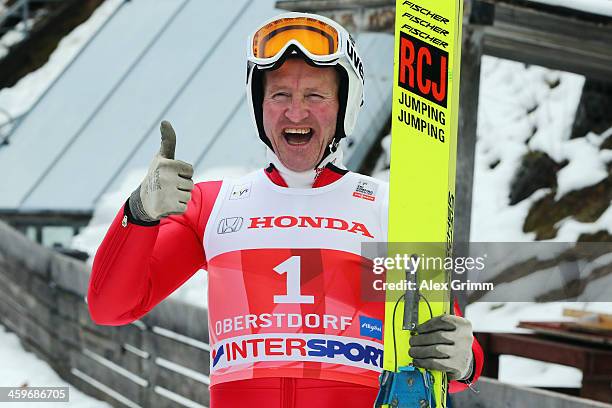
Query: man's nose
297, 110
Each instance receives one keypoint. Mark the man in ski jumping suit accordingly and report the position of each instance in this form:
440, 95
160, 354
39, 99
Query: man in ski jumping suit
287, 323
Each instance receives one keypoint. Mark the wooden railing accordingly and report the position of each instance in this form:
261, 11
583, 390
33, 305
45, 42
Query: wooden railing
159, 361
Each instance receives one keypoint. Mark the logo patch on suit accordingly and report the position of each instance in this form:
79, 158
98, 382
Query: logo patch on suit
370, 327
365, 189
227, 225
240, 191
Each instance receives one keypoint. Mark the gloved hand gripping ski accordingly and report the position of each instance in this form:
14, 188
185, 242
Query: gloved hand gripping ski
444, 343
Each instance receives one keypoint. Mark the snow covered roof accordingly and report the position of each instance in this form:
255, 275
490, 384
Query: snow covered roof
180, 60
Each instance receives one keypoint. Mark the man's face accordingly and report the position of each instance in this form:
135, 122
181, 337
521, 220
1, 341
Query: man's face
300, 108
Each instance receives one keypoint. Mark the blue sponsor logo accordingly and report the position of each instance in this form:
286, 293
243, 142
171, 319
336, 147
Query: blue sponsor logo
352, 351
217, 354
296, 348
370, 327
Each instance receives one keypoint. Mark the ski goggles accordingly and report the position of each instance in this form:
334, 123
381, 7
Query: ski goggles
320, 40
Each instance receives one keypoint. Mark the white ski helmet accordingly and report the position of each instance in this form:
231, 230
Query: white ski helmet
320, 42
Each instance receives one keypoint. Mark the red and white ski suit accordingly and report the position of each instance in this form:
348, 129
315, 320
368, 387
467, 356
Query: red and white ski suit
289, 325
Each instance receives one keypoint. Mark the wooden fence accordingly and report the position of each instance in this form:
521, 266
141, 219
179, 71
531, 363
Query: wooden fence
159, 361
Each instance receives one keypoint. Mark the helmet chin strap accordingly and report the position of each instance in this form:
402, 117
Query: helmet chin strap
331, 154
334, 156
304, 179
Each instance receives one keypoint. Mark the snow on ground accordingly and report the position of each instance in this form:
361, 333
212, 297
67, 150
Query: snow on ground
572, 228
603, 7
532, 373
20, 367
520, 112
513, 119
587, 164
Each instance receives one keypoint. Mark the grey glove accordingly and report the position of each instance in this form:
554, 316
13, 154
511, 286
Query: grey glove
167, 186
444, 343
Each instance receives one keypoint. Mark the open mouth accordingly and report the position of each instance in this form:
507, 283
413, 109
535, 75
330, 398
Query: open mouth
298, 136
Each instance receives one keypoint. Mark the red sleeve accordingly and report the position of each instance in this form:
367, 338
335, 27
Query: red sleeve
138, 266
457, 386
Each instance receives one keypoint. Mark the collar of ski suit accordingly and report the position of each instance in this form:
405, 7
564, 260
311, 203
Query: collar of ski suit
328, 171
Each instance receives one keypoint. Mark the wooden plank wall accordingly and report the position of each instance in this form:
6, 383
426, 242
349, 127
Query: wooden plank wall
552, 37
160, 361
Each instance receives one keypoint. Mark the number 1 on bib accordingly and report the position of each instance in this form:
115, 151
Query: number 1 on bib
292, 268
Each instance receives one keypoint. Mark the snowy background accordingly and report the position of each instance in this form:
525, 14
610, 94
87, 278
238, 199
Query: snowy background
506, 123
18, 99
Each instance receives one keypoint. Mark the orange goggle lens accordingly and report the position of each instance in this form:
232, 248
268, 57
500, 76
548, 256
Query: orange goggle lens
317, 37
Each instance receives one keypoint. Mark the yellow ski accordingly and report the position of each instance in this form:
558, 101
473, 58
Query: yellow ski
422, 181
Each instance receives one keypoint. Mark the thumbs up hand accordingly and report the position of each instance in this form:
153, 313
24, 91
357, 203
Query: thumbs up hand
168, 140
167, 186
